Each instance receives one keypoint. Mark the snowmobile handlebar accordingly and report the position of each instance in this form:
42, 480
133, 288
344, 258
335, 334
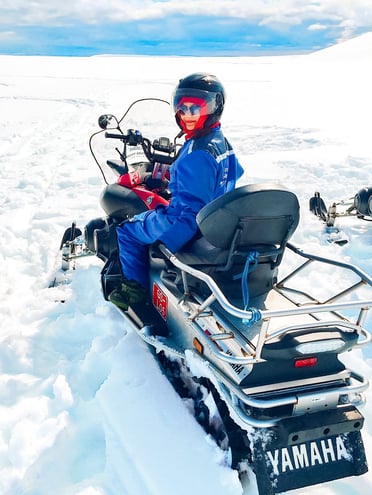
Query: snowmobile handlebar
150, 149
132, 137
111, 135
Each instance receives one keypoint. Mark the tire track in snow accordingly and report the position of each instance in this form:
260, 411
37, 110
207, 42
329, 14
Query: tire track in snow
39, 175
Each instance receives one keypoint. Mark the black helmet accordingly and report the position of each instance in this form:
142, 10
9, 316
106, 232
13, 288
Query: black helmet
203, 86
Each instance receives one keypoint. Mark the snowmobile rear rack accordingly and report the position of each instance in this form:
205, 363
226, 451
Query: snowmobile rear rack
247, 344
301, 308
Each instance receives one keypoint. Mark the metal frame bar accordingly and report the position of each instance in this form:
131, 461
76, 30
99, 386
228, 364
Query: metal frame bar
267, 315
236, 397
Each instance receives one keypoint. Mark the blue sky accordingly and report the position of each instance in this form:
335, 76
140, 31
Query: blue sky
173, 27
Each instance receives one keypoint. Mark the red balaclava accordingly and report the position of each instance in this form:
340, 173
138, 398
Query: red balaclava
202, 119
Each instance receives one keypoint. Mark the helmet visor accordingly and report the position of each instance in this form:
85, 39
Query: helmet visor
187, 100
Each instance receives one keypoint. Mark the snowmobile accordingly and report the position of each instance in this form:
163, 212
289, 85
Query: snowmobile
231, 320
360, 206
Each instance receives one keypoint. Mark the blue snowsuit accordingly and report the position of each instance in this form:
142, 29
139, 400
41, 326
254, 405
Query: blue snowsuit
205, 168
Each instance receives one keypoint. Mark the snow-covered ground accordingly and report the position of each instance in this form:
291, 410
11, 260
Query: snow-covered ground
84, 409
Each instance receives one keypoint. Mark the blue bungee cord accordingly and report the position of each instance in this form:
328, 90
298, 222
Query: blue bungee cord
250, 264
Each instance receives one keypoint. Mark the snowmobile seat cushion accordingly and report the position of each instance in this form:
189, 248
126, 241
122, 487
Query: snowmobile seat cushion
201, 252
264, 214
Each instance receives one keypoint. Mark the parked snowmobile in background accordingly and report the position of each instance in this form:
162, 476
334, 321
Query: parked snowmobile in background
359, 206
265, 351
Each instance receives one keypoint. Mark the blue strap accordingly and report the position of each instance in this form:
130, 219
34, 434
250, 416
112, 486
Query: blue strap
250, 264
256, 316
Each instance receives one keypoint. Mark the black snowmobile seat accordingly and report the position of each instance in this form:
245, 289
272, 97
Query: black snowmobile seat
255, 217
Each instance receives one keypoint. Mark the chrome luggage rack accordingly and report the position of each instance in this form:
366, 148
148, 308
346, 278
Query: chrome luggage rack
316, 316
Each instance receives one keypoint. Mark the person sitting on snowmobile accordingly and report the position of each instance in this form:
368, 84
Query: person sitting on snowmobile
206, 168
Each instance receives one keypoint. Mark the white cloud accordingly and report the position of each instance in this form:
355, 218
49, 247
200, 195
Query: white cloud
317, 27
8, 36
289, 12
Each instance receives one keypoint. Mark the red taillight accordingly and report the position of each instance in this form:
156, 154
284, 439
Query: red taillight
303, 363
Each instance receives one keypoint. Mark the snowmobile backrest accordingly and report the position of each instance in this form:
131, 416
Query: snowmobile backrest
250, 216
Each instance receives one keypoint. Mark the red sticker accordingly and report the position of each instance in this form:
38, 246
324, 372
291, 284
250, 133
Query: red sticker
160, 301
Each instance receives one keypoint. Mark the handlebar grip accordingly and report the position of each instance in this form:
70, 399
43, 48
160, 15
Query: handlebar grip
110, 135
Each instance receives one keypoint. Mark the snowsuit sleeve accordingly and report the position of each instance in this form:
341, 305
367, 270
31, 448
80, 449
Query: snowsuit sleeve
194, 180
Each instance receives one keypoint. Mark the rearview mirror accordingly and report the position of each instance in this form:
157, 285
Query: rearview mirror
107, 120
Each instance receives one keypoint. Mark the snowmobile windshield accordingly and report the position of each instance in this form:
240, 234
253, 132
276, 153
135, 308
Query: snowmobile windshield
123, 139
149, 115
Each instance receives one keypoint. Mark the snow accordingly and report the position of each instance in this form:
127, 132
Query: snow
84, 409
